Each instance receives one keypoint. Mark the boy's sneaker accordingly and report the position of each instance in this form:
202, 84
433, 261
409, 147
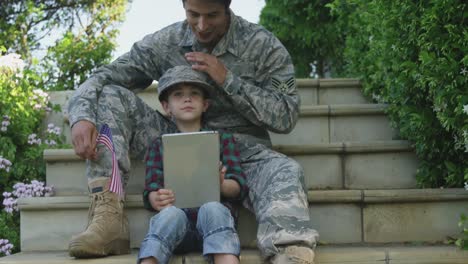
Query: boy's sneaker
294, 255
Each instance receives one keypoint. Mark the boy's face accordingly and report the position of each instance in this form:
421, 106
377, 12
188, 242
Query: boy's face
209, 20
186, 103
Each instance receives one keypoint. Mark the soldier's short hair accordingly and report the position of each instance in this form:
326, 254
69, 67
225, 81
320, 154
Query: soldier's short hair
226, 3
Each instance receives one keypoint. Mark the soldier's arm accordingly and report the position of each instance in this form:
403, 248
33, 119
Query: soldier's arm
266, 93
268, 96
133, 70
273, 102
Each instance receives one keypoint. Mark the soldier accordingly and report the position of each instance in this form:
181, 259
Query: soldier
256, 92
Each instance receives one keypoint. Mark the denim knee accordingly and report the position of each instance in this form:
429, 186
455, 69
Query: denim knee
216, 225
168, 218
166, 230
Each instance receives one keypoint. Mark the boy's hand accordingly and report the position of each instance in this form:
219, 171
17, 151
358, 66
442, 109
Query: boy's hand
161, 199
222, 173
229, 188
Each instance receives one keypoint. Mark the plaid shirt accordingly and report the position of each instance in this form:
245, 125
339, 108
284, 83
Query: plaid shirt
229, 155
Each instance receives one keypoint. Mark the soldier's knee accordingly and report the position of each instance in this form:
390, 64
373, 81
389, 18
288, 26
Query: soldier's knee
295, 171
296, 167
116, 91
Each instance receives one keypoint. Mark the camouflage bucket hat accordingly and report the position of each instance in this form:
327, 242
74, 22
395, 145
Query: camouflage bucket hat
183, 74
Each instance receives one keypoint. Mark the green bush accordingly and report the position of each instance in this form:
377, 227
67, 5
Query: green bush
22, 142
24, 107
10, 229
462, 242
308, 31
413, 55
80, 34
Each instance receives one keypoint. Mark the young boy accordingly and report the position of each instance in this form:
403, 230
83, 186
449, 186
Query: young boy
184, 95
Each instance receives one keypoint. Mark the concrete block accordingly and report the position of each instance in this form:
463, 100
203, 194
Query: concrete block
50, 229
58, 118
380, 170
404, 222
308, 95
427, 255
350, 255
341, 95
398, 254
68, 177
360, 128
321, 171
308, 130
337, 223
247, 229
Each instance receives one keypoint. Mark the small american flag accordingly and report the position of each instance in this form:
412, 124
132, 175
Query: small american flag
105, 137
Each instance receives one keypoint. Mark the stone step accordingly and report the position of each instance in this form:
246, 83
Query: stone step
341, 217
312, 92
391, 254
330, 91
336, 123
346, 165
330, 123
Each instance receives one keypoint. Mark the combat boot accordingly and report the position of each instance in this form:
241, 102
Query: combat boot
107, 230
294, 255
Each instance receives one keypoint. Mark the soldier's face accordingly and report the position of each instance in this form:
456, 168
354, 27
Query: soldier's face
209, 20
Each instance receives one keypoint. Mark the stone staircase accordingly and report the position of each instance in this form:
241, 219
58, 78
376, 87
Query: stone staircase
360, 178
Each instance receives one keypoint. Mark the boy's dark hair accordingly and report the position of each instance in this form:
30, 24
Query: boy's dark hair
164, 96
226, 3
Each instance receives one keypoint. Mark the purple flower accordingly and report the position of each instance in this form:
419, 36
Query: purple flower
5, 123
33, 140
50, 142
52, 129
33, 189
5, 164
5, 246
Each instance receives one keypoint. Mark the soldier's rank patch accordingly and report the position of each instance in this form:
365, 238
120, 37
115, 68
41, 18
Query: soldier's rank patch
283, 85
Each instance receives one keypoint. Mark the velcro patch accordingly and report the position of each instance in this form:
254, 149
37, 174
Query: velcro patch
283, 85
97, 189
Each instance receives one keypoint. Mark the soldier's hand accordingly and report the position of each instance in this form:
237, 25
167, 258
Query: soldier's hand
209, 64
84, 136
161, 199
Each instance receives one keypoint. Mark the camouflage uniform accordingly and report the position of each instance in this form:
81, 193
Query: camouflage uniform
259, 94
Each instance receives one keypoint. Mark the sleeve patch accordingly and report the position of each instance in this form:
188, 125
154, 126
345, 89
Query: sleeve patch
283, 85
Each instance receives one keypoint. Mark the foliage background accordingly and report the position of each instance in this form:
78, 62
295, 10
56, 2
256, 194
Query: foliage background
72, 38
61, 42
412, 55
309, 32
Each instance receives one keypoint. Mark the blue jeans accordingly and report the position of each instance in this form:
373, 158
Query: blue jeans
170, 231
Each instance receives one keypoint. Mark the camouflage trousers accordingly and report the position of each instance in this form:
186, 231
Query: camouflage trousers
276, 182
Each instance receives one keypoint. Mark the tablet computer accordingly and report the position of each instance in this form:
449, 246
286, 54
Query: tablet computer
191, 167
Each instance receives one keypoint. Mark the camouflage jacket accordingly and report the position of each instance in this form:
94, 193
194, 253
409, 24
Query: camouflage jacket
259, 92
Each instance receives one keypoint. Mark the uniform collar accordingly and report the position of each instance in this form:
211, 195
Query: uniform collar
226, 44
